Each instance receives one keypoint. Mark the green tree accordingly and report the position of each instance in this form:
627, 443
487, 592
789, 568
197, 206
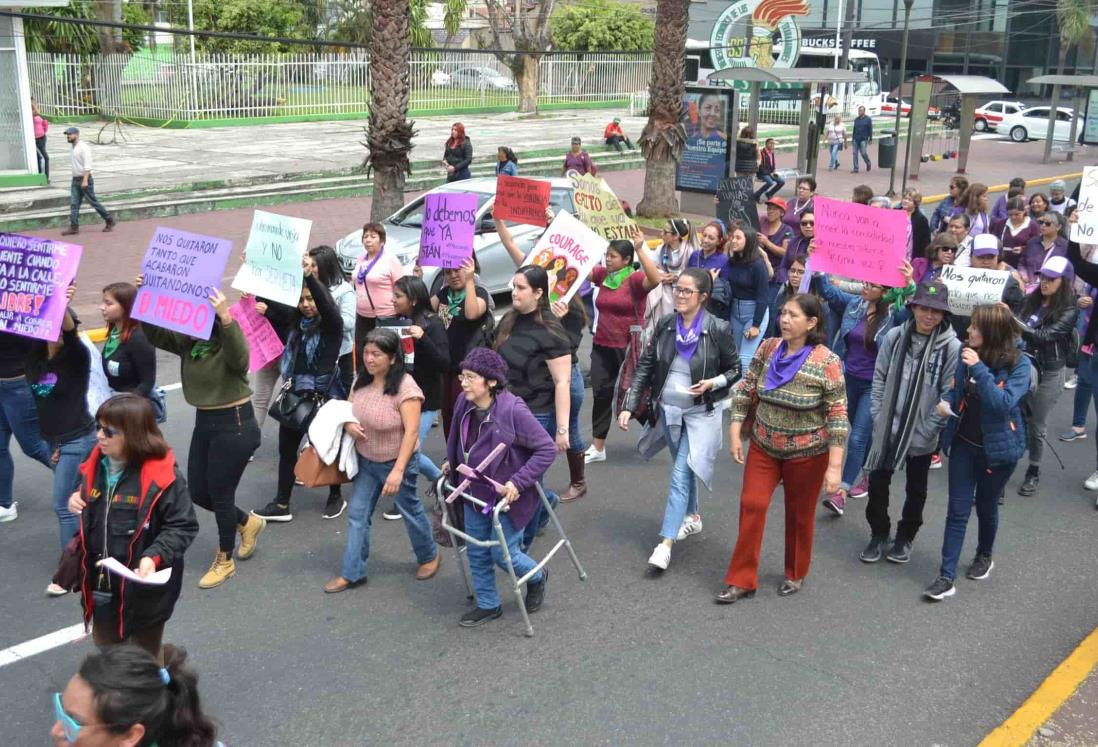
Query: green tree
354, 20
1073, 18
269, 18
61, 37
527, 23
594, 25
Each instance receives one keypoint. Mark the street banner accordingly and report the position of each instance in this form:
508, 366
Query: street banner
860, 242
599, 208
521, 200
263, 343
970, 287
272, 258
449, 219
180, 270
568, 251
1086, 230
34, 274
736, 202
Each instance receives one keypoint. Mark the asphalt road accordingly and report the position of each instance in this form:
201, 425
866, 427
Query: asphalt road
626, 657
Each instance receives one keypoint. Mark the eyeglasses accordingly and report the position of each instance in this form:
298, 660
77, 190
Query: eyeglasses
808, 222
1046, 223
69, 725
107, 430
469, 377
679, 290
950, 249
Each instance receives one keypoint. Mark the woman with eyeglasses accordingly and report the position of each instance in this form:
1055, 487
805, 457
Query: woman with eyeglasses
802, 203
1049, 242
939, 219
133, 506
374, 277
1015, 231
942, 252
747, 276
673, 256
123, 697
686, 348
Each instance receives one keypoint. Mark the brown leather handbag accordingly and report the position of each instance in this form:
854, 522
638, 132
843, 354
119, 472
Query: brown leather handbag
314, 473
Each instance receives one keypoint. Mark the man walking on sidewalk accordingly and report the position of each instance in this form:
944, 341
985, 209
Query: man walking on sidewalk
863, 136
83, 186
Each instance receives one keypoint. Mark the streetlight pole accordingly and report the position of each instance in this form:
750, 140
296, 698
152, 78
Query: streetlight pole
900, 95
190, 38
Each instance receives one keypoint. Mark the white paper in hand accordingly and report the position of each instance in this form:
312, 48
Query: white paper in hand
944, 404
158, 578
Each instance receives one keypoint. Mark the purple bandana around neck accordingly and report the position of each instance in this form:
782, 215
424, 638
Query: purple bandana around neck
783, 368
364, 270
686, 340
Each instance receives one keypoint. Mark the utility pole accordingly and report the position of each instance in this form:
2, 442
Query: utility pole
847, 42
900, 95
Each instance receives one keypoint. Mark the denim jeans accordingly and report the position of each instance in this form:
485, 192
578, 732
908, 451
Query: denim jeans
548, 422
1084, 392
742, 318
78, 194
861, 428
365, 492
481, 559
835, 148
66, 478
861, 148
971, 480
19, 418
772, 184
427, 468
575, 392
682, 495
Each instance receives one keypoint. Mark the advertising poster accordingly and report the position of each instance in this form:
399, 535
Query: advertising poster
707, 117
568, 251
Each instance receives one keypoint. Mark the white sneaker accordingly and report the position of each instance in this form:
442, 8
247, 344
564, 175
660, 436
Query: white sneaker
690, 525
660, 557
9, 514
594, 455
53, 590
1091, 483
1071, 383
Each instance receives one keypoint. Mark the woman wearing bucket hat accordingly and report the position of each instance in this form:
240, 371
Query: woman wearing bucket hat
913, 373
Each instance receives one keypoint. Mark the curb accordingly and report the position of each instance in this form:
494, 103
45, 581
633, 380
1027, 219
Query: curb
1004, 187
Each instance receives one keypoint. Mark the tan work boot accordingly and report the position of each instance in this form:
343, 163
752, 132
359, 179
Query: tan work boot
221, 571
249, 533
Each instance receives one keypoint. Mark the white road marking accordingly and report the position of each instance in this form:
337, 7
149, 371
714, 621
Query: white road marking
172, 387
35, 646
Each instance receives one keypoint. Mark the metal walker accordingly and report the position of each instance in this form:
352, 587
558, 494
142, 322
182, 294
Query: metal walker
452, 494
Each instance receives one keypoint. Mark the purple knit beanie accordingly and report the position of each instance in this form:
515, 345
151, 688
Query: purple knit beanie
487, 363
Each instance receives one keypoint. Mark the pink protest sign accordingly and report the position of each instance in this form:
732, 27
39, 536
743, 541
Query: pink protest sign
263, 343
180, 270
447, 235
34, 274
860, 242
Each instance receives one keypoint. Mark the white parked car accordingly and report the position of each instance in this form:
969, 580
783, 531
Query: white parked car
1032, 124
440, 78
988, 116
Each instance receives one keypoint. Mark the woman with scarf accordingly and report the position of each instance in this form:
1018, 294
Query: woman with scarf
942, 252
1015, 231
685, 349
374, 277
747, 276
914, 371
310, 368
673, 256
129, 360
985, 438
804, 242
794, 400
1049, 242
803, 203
458, 154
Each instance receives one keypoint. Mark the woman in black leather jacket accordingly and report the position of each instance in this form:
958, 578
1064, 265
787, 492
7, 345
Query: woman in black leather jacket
685, 372
1048, 318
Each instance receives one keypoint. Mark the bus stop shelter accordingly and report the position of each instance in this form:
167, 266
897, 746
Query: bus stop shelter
1078, 82
971, 88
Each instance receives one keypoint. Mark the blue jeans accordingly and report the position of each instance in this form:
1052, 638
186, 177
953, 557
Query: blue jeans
19, 418
861, 428
742, 318
427, 468
77, 194
575, 392
365, 492
971, 480
835, 148
481, 558
682, 495
772, 184
66, 478
548, 421
861, 148
1084, 392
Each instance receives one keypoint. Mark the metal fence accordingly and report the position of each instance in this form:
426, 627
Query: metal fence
171, 87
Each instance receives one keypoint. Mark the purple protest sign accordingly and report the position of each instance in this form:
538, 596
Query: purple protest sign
34, 274
180, 270
263, 343
447, 236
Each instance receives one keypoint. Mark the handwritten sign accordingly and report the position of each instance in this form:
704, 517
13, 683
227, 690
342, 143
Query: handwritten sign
1086, 230
860, 242
600, 209
272, 264
263, 343
180, 270
521, 200
448, 222
970, 287
568, 251
34, 274
736, 202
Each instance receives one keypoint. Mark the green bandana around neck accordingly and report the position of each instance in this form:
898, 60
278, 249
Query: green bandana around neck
114, 339
202, 348
614, 280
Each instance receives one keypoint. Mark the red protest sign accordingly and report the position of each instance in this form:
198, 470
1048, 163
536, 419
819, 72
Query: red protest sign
521, 200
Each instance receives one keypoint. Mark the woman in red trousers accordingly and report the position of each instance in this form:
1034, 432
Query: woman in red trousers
795, 386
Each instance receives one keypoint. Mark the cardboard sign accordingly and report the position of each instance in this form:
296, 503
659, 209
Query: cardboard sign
449, 220
1086, 230
568, 251
34, 274
860, 242
272, 264
521, 200
970, 287
180, 270
600, 209
736, 202
263, 343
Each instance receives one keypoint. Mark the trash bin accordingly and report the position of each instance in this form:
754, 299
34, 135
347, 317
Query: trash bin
886, 150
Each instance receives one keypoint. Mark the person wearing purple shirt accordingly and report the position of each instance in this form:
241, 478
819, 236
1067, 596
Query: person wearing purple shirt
1049, 243
1017, 188
578, 160
802, 203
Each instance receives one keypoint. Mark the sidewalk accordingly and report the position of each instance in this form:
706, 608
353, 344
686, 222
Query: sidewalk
1076, 723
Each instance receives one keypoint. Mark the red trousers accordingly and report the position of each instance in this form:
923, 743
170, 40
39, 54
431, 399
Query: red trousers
802, 480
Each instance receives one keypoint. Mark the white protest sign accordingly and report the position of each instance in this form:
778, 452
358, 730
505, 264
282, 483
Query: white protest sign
568, 251
272, 265
1086, 230
970, 287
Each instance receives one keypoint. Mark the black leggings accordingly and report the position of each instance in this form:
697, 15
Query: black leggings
221, 443
605, 364
289, 439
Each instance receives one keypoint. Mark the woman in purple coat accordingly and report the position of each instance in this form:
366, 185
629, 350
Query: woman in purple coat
485, 415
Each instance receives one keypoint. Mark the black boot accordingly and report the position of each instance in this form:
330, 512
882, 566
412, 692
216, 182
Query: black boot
1029, 484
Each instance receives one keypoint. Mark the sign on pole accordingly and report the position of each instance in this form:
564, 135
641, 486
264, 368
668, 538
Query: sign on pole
449, 220
1086, 230
860, 242
568, 251
272, 261
34, 274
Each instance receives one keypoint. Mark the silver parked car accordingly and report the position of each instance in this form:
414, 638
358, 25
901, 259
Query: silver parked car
496, 266
481, 78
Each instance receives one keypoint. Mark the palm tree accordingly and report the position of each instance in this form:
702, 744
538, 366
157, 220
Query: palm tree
1073, 17
664, 137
